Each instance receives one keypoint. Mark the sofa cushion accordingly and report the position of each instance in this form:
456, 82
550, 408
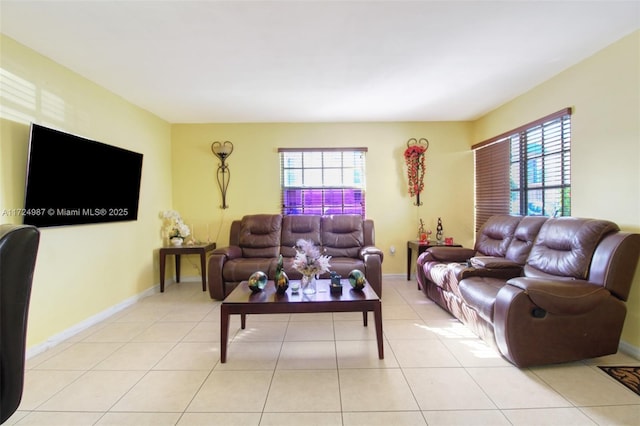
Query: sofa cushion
496, 234
342, 235
295, 227
444, 275
565, 245
480, 293
260, 235
344, 265
240, 269
524, 237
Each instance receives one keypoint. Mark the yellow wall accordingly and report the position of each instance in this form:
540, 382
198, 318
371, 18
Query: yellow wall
255, 177
604, 92
81, 271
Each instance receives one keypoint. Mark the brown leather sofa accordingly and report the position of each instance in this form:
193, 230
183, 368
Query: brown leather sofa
256, 242
541, 290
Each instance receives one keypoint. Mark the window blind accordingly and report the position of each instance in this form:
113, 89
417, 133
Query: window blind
526, 171
323, 181
492, 181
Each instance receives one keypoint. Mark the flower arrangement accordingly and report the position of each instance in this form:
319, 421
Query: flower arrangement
174, 226
414, 157
308, 260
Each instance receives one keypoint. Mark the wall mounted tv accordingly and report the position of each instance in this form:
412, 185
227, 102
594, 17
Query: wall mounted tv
74, 181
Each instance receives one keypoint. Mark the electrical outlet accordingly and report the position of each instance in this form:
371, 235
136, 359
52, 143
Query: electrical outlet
392, 249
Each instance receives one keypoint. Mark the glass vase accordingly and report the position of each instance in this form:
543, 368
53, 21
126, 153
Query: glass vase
308, 284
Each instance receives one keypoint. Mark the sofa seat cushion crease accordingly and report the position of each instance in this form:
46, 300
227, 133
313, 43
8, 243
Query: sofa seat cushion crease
564, 300
257, 241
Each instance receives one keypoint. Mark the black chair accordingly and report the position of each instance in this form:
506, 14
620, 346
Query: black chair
18, 250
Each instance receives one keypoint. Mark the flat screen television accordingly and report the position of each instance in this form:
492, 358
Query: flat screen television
74, 181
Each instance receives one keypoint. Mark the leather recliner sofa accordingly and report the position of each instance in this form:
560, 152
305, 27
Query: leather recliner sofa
257, 241
565, 300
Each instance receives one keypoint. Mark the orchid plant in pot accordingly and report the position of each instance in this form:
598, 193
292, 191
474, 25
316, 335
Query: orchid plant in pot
174, 227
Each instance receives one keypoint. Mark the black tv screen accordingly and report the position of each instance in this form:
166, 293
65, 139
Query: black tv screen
73, 181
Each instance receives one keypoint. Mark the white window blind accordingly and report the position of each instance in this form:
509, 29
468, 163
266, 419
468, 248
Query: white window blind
323, 181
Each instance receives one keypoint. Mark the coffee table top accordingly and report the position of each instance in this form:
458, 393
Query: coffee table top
242, 294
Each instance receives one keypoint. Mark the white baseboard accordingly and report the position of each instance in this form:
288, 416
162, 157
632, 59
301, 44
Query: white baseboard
395, 276
91, 321
632, 351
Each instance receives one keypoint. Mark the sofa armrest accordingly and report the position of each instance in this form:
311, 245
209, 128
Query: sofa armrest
371, 250
492, 262
215, 278
372, 258
562, 297
540, 321
230, 252
446, 254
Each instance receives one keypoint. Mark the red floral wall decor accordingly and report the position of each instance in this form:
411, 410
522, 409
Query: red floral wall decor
414, 156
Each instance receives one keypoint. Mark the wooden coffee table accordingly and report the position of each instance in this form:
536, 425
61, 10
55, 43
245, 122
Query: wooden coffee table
242, 301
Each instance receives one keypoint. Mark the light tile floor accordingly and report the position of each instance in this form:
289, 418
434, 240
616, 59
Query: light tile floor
157, 363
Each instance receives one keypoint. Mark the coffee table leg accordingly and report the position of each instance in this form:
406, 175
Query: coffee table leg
224, 333
377, 315
365, 318
243, 321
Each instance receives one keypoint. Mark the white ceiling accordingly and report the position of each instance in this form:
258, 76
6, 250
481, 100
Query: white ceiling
317, 61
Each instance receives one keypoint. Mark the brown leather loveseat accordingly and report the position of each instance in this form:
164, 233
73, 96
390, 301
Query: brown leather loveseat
541, 290
256, 242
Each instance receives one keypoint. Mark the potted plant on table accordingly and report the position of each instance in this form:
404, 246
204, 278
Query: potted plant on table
174, 227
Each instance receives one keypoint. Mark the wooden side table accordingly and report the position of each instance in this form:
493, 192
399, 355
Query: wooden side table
421, 247
201, 249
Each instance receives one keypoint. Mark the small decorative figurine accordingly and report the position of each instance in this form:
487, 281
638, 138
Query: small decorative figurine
281, 278
439, 231
336, 286
423, 235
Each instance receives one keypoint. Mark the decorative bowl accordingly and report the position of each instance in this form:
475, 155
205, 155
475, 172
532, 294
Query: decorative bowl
257, 281
357, 280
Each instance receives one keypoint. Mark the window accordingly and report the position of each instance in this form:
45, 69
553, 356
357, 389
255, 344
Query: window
540, 178
526, 171
323, 181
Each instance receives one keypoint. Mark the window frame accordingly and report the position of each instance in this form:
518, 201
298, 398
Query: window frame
327, 197
493, 166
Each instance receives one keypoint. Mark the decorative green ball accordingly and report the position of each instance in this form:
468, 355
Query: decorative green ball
257, 281
356, 279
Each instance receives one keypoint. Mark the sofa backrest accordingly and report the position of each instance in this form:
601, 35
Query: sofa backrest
565, 246
342, 235
496, 234
259, 235
523, 238
295, 227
